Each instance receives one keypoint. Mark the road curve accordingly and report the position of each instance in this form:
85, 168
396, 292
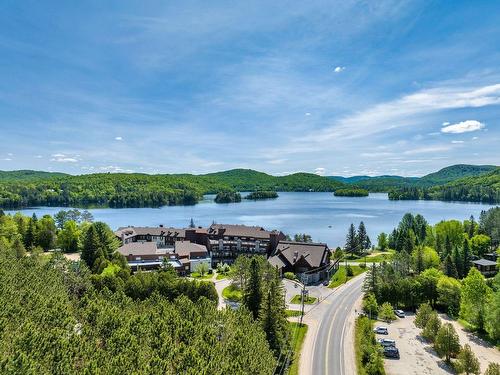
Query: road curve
328, 355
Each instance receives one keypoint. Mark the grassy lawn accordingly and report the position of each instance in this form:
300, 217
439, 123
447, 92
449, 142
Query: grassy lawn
232, 293
290, 313
377, 257
298, 340
308, 301
196, 275
221, 276
339, 277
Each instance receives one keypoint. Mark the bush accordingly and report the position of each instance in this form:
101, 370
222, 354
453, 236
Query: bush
447, 343
431, 327
289, 275
349, 271
386, 312
368, 356
493, 369
424, 312
370, 305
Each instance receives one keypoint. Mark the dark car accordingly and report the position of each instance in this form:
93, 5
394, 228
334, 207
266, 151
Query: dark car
391, 352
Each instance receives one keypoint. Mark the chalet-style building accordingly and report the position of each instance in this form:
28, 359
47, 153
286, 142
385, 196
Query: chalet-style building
147, 248
487, 267
227, 241
309, 261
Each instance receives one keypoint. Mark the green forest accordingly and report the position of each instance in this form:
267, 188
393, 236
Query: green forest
432, 271
142, 190
351, 192
94, 316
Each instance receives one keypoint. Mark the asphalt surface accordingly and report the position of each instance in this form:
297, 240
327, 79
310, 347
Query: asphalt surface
328, 354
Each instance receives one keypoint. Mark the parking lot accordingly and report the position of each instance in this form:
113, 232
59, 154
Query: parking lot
418, 357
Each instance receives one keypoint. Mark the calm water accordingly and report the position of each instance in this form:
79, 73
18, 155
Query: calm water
311, 213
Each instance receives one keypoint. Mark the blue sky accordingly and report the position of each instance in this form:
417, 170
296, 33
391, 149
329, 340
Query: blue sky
329, 87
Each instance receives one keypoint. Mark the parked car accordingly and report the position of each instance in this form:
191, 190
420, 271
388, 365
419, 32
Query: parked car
399, 313
387, 342
381, 330
391, 352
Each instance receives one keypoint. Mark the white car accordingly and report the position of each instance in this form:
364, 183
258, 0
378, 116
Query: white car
387, 342
400, 313
381, 330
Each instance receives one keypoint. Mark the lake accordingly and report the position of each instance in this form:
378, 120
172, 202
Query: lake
322, 215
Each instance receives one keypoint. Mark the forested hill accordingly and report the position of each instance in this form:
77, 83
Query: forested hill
480, 188
142, 190
250, 180
28, 175
443, 176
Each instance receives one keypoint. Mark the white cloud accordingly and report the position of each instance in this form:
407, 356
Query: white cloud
118, 139
38, 156
339, 69
277, 161
428, 149
463, 127
62, 158
457, 142
446, 123
115, 169
320, 171
308, 114
474, 138
7, 159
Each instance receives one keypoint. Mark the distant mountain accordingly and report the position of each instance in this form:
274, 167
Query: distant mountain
455, 172
443, 176
251, 180
22, 189
28, 175
483, 188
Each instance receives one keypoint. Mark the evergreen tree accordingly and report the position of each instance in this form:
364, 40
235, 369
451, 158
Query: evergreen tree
362, 239
493, 369
472, 226
191, 224
29, 239
351, 243
252, 296
18, 248
423, 314
467, 362
419, 259
465, 258
91, 246
432, 327
273, 317
46, 233
457, 260
447, 342
449, 268
447, 247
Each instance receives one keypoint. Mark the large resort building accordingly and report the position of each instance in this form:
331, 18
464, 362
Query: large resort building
150, 247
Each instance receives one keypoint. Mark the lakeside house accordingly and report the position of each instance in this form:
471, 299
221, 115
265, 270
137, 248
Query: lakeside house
185, 248
487, 267
309, 261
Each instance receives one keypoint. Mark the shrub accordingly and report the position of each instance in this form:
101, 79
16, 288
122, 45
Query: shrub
432, 327
447, 343
289, 275
386, 312
467, 361
493, 369
423, 314
349, 271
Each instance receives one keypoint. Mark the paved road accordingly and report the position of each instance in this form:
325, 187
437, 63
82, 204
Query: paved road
330, 342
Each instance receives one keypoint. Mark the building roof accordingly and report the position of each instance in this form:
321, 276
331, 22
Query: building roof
276, 261
186, 248
315, 254
153, 231
141, 248
484, 262
237, 230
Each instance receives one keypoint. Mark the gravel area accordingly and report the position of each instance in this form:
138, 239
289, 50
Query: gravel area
418, 356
